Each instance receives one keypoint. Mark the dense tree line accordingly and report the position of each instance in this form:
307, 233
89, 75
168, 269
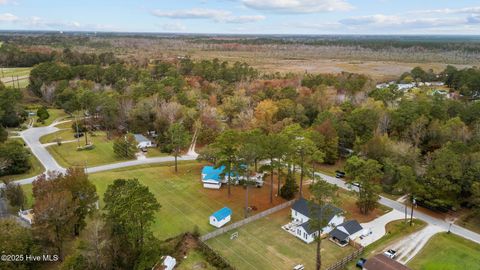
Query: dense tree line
13, 56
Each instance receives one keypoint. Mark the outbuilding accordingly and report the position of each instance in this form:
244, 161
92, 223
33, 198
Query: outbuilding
221, 217
212, 177
343, 233
142, 141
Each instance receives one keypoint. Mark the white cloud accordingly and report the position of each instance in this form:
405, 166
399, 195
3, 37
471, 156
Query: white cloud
3, 2
217, 15
8, 17
466, 10
298, 6
196, 13
382, 21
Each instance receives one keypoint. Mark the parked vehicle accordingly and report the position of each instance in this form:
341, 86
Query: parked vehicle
390, 253
356, 184
361, 263
339, 174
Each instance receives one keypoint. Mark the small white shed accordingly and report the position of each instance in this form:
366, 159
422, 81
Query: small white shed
221, 217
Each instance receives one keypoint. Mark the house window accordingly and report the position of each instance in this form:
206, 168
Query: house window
298, 232
305, 235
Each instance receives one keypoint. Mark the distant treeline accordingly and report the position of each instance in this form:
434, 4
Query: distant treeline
467, 44
12, 56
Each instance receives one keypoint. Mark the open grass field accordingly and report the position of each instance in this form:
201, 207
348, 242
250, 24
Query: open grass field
447, 252
67, 155
9, 76
36, 169
9, 72
263, 244
302, 61
185, 203
65, 134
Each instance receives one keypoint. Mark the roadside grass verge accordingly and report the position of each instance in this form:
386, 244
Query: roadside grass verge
446, 251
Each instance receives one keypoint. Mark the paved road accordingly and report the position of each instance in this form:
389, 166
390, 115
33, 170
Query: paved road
444, 225
32, 136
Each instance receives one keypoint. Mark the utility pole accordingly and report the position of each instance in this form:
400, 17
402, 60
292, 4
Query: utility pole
414, 202
78, 134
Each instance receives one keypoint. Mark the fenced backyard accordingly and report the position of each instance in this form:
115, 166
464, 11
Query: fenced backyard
246, 221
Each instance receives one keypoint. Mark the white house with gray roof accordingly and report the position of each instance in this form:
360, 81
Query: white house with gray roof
142, 141
302, 213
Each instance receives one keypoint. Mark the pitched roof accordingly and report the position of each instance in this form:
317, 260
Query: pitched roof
382, 262
351, 226
222, 213
211, 173
338, 234
304, 207
140, 138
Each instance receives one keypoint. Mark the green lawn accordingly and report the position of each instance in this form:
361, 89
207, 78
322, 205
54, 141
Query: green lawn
67, 155
155, 152
194, 261
36, 169
9, 72
27, 190
64, 135
447, 252
263, 244
185, 203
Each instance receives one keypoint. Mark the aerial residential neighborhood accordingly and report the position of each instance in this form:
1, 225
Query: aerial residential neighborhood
239, 135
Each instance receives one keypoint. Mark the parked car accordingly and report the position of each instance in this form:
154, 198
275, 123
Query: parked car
356, 184
339, 174
361, 263
299, 267
390, 253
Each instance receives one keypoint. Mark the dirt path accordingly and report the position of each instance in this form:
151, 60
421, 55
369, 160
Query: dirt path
409, 246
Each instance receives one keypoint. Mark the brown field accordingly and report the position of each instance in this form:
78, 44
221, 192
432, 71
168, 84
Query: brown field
378, 70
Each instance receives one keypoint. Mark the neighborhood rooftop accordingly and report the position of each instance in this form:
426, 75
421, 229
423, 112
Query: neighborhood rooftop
222, 213
382, 262
304, 207
140, 138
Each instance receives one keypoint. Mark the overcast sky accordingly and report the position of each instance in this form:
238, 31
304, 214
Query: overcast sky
246, 16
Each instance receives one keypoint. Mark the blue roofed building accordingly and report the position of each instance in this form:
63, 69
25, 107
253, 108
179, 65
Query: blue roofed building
221, 217
212, 177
